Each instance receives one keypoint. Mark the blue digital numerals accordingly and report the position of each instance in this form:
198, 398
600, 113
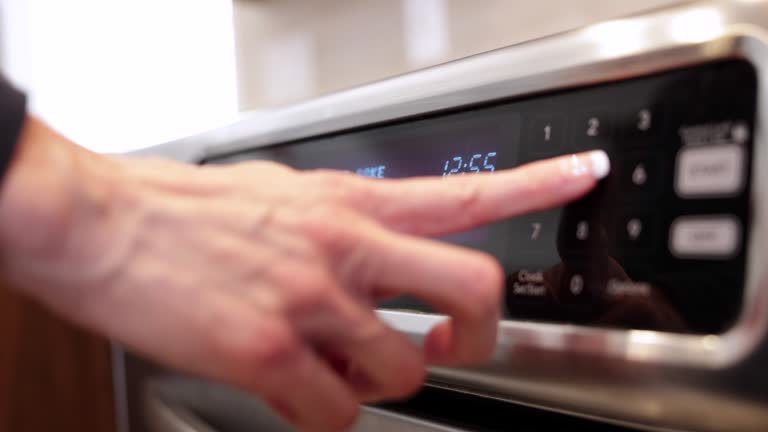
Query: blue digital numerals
477, 163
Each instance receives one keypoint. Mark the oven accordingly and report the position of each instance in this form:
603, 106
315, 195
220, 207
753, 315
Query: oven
641, 306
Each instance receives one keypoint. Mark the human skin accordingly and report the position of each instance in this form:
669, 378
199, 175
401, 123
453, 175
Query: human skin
261, 276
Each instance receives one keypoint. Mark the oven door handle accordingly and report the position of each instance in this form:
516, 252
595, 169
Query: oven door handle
179, 404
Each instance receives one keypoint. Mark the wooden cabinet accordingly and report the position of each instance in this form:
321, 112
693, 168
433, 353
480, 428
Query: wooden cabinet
53, 376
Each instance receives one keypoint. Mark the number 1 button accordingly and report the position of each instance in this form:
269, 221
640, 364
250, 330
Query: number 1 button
545, 135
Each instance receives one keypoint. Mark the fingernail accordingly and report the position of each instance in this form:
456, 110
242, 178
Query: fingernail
594, 163
601, 164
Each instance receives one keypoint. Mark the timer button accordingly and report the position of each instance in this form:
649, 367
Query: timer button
705, 237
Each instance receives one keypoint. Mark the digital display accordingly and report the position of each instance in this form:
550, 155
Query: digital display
660, 244
459, 144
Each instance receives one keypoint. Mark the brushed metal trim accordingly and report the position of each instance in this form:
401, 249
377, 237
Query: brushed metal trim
587, 56
176, 405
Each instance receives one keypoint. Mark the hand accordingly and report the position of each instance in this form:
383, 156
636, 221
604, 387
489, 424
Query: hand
265, 277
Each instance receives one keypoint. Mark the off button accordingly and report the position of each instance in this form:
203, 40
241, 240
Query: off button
705, 237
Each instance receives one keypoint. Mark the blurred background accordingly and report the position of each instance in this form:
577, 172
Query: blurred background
117, 75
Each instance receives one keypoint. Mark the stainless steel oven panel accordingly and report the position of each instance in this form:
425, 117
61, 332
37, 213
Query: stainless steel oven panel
656, 379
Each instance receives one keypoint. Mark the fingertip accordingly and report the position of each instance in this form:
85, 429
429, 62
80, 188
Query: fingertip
601, 164
592, 164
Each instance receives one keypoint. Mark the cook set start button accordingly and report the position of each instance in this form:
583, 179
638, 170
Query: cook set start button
705, 237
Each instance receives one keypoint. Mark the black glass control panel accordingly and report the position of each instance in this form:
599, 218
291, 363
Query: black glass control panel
660, 244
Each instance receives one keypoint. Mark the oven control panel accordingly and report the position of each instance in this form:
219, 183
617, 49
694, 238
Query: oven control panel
660, 244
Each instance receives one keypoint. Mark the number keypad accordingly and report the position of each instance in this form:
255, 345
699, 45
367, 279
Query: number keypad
663, 230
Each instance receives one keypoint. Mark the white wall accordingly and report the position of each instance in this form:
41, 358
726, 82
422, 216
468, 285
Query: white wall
116, 75
337, 44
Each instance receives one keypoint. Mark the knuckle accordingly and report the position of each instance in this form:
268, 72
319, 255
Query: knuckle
249, 350
468, 195
329, 179
306, 297
342, 238
329, 226
340, 186
281, 350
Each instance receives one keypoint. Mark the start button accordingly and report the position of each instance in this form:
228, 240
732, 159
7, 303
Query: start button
710, 171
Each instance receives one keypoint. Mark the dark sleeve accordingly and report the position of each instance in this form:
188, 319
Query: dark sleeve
13, 109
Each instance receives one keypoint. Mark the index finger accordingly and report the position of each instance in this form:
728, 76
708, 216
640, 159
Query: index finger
441, 205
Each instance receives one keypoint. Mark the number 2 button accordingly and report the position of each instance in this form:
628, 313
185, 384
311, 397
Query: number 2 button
592, 130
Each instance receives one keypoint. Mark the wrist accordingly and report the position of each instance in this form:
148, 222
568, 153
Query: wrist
52, 194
